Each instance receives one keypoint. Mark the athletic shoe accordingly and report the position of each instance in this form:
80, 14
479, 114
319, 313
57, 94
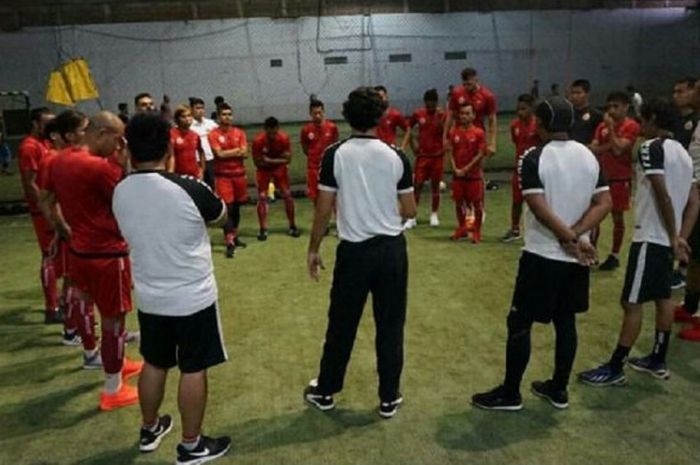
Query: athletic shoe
92, 362
125, 396
647, 364
239, 243
230, 251
150, 440
131, 368
262, 235
71, 338
681, 315
434, 220
476, 237
511, 236
610, 263
558, 398
497, 399
691, 333
207, 449
132, 336
460, 233
677, 280
602, 376
54, 317
320, 401
410, 223
294, 232
389, 409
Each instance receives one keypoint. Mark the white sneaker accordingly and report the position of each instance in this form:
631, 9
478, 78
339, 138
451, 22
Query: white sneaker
410, 224
434, 221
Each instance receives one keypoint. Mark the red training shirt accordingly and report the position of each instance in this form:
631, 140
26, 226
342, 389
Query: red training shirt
315, 139
30, 152
186, 145
617, 167
388, 123
467, 143
430, 131
270, 148
83, 184
228, 139
483, 100
524, 135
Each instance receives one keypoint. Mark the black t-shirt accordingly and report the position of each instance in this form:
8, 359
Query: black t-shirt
685, 127
586, 120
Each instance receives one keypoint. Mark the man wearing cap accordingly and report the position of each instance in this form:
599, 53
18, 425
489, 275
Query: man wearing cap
567, 196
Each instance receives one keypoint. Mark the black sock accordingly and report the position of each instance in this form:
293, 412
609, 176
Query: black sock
235, 213
619, 357
661, 340
517, 352
691, 301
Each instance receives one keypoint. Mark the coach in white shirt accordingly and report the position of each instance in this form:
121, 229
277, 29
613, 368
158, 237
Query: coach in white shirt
164, 217
203, 126
371, 183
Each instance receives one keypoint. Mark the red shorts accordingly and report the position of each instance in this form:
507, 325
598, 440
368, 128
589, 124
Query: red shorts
428, 168
279, 176
470, 191
516, 192
312, 177
106, 280
44, 232
232, 190
620, 193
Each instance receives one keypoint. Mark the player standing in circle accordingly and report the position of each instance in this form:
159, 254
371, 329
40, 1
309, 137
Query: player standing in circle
187, 156
315, 137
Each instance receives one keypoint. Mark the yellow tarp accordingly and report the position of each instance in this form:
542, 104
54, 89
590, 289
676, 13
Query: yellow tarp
57, 91
71, 83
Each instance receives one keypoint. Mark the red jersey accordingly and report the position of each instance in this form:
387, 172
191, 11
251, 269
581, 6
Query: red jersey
30, 152
430, 131
388, 123
315, 139
42, 175
228, 139
83, 184
270, 148
483, 100
523, 135
467, 143
186, 146
617, 167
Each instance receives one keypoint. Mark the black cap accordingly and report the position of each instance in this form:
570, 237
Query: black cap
556, 114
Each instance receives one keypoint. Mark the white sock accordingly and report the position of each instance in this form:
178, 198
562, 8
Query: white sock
90, 353
113, 382
191, 445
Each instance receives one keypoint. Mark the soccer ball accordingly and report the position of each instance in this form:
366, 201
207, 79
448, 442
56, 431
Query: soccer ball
443, 186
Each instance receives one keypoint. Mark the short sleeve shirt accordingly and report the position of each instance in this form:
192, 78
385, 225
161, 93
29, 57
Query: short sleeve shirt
316, 138
430, 131
389, 124
617, 167
228, 139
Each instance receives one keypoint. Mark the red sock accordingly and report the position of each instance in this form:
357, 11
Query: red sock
48, 284
262, 211
459, 211
82, 310
289, 209
478, 216
618, 235
112, 347
435, 204
229, 238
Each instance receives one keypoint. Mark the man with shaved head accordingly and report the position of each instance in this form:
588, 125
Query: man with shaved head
83, 184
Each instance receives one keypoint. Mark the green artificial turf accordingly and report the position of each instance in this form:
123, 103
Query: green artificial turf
274, 320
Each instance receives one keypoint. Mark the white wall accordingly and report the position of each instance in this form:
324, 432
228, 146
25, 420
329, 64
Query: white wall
646, 47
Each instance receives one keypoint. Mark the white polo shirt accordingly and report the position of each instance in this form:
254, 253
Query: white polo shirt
163, 218
203, 129
568, 174
367, 175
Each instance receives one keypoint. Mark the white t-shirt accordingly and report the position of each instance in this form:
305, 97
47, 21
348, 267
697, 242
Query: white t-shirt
203, 129
694, 151
568, 174
367, 175
163, 218
666, 157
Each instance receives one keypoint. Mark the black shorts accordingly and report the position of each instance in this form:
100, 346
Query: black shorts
545, 288
649, 273
193, 342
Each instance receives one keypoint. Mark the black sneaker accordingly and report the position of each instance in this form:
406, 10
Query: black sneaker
389, 409
294, 232
54, 317
150, 440
321, 402
677, 280
207, 449
497, 399
230, 250
647, 364
558, 399
610, 263
262, 235
71, 338
239, 243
